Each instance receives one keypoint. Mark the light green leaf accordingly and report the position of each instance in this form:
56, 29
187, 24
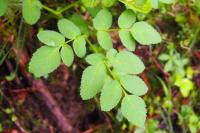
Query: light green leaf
127, 40
92, 81
126, 19
143, 6
145, 33
108, 3
142, 130
168, 66
94, 59
103, 20
155, 4
31, 10
44, 60
67, 55
134, 109
79, 46
3, 7
104, 40
51, 38
68, 28
133, 84
185, 85
163, 57
110, 95
167, 1
90, 3
128, 63
111, 54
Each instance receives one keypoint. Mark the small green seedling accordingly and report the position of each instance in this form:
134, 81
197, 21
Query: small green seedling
175, 64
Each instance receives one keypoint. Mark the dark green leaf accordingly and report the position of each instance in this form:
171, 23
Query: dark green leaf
80, 22
3, 7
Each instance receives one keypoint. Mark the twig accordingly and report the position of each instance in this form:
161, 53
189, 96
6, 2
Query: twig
43, 92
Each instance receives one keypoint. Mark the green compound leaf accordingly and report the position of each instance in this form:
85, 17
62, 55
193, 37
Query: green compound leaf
104, 40
68, 28
31, 11
67, 55
79, 46
3, 7
128, 63
103, 20
127, 39
90, 3
110, 95
134, 84
134, 109
44, 60
126, 19
92, 81
51, 38
145, 33
94, 59
108, 3
143, 6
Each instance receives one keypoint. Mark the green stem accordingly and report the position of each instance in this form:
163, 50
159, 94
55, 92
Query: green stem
114, 29
69, 41
115, 77
117, 29
166, 120
110, 71
195, 38
68, 7
59, 12
91, 45
171, 130
52, 11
